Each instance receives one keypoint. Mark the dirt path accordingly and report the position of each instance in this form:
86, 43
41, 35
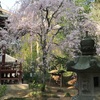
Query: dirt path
17, 90
23, 91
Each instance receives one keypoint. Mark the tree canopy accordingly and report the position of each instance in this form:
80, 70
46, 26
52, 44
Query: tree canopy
54, 27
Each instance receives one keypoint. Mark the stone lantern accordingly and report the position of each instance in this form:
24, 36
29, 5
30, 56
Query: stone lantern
87, 67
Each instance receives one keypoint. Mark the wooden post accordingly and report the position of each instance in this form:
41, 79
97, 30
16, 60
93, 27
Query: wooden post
0, 74
3, 60
3, 55
20, 70
61, 80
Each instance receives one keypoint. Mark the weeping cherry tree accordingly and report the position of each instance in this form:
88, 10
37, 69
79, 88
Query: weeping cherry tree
43, 20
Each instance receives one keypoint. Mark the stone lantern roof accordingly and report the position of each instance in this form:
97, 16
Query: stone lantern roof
84, 63
88, 61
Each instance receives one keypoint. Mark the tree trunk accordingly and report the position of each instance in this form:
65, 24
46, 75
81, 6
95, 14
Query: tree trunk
44, 59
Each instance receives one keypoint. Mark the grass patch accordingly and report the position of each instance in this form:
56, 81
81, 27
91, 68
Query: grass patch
3, 89
67, 95
54, 95
18, 99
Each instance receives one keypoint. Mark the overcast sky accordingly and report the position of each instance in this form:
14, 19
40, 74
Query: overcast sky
8, 4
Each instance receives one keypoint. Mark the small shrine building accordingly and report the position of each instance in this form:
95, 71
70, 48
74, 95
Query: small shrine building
10, 70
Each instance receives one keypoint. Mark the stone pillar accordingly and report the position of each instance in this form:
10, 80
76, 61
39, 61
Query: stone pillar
85, 87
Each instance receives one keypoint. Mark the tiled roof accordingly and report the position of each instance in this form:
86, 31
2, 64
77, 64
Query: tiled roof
8, 58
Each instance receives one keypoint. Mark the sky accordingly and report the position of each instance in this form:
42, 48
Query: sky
7, 4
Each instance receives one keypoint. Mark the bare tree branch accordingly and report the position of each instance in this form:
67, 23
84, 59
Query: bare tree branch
56, 11
54, 37
47, 14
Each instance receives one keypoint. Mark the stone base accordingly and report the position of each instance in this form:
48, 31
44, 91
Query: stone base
79, 97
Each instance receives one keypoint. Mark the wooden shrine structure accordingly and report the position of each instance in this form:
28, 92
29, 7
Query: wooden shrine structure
3, 17
10, 68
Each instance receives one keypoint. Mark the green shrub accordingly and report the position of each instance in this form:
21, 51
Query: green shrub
67, 95
32, 85
42, 87
2, 90
37, 86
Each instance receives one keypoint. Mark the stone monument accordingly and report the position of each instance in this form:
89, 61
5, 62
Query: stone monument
87, 68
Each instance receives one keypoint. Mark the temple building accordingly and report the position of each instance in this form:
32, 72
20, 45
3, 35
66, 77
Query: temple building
10, 68
87, 67
3, 17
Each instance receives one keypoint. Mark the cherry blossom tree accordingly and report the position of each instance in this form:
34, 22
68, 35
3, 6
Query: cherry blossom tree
44, 19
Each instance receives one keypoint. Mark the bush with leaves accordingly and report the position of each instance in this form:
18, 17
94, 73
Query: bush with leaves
36, 86
2, 90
